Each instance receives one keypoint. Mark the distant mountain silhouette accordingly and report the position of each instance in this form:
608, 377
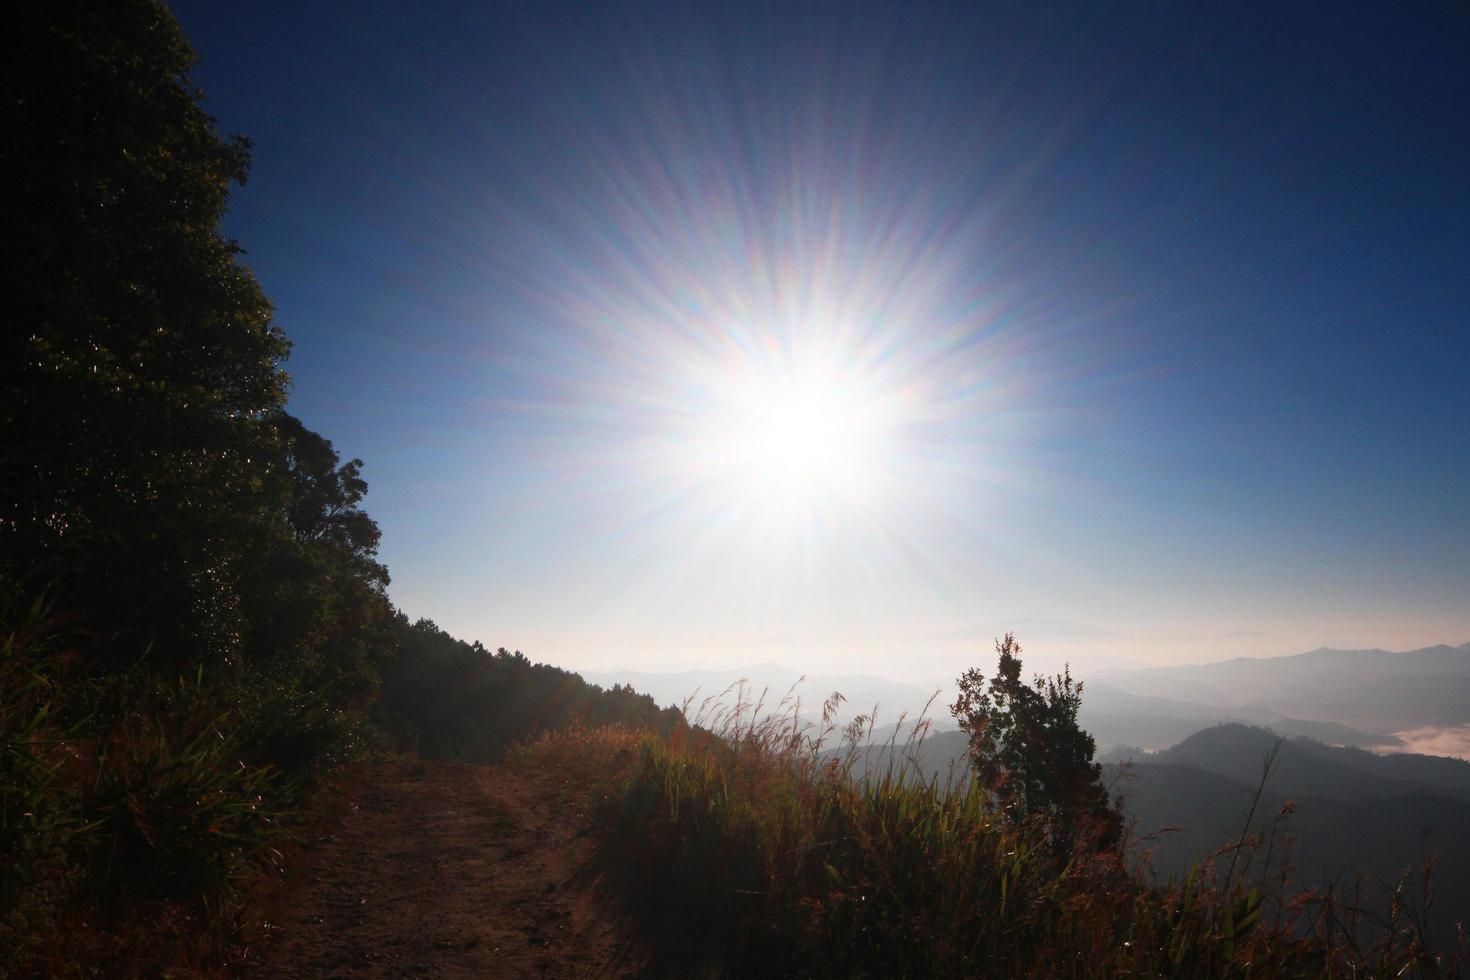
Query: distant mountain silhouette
1373, 689
1304, 767
1443, 774
1116, 717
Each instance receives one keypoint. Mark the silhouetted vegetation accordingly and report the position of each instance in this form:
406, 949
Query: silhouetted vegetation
193, 617
448, 699
754, 851
1030, 753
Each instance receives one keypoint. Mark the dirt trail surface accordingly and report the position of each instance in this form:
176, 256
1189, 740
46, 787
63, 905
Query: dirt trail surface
450, 871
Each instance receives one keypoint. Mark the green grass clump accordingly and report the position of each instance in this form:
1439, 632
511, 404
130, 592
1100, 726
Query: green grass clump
41, 818
133, 819
753, 851
175, 810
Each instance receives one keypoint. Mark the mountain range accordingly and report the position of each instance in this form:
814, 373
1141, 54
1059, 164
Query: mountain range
1377, 690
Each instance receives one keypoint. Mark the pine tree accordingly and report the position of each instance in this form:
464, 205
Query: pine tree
1028, 749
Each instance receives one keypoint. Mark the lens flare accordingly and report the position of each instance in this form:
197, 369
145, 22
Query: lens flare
811, 433
773, 374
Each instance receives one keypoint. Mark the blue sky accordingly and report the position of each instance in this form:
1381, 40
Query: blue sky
1144, 325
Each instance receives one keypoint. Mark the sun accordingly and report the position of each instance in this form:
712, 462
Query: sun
805, 432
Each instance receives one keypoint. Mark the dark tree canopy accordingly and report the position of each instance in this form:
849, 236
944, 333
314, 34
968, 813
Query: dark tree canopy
322, 496
449, 699
152, 480
1026, 746
190, 597
139, 362
138, 367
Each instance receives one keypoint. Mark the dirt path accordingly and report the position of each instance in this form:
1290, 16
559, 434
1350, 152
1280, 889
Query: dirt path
450, 871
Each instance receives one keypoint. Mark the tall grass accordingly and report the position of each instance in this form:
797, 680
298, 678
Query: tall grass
132, 820
746, 847
41, 821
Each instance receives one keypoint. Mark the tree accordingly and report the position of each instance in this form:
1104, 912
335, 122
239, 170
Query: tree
317, 623
138, 362
322, 497
202, 553
1027, 748
150, 478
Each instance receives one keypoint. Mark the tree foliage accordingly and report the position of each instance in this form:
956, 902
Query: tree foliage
449, 699
1027, 747
139, 365
202, 552
155, 484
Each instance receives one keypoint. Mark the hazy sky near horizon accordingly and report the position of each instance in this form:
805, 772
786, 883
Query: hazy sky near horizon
844, 335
